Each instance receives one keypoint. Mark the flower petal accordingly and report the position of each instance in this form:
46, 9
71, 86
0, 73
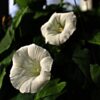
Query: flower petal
49, 27
46, 64
19, 79
20, 56
70, 24
26, 86
53, 39
39, 82
37, 52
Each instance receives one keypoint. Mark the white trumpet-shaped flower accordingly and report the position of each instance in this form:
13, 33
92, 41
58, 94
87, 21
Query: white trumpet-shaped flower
31, 68
59, 28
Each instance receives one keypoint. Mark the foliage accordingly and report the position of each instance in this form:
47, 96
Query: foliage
23, 97
2, 74
95, 73
95, 39
51, 90
7, 40
76, 62
82, 58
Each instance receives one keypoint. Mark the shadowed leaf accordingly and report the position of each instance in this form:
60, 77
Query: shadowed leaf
95, 73
51, 90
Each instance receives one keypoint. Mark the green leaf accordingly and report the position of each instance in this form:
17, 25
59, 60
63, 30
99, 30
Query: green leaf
51, 90
52, 97
95, 39
82, 58
7, 40
7, 60
24, 96
2, 74
3, 64
39, 14
95, 73
19, 15
23, 3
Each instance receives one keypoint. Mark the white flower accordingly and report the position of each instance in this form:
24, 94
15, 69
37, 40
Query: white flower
85, 5
31, 68
59, 28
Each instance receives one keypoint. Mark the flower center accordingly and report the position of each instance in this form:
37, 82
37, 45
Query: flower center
36, 68
60, 29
